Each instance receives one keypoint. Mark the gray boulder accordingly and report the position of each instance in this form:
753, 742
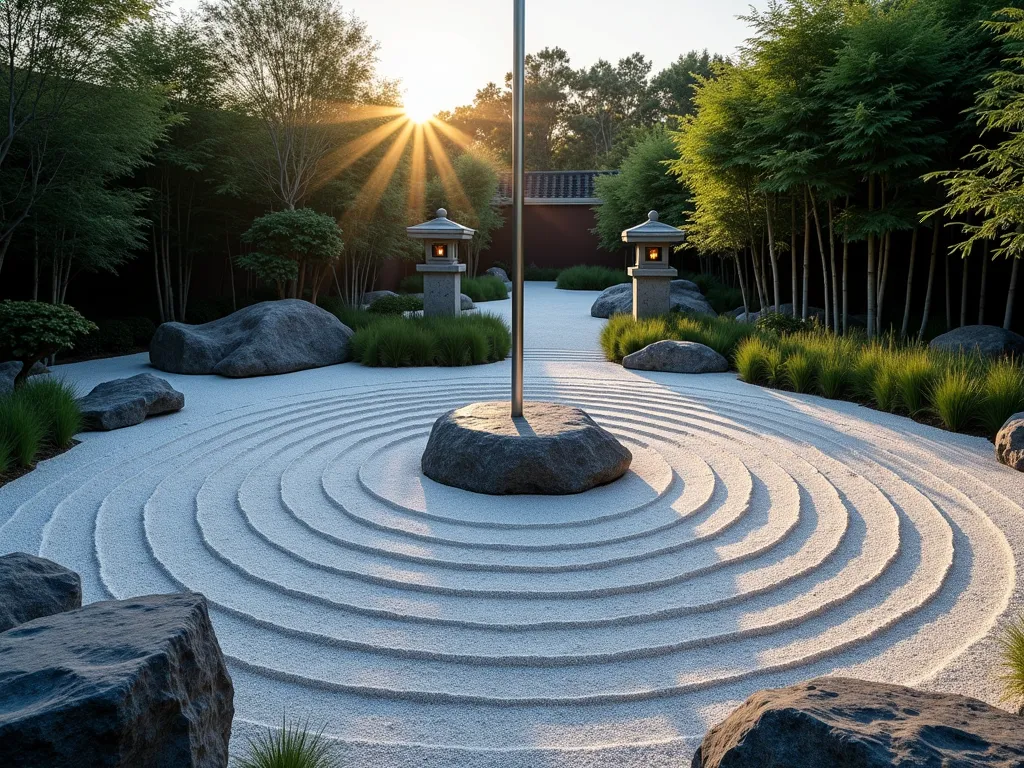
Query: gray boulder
32, 586
989, 340
834, 721
465, 303
499, 273
553, 450
684, 296
262, 340
126, 402
372, 296
813, 313
1010, 442
119, 684
10, 370
676, 357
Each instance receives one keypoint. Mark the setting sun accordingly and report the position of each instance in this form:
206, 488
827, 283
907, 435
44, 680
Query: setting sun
418, 110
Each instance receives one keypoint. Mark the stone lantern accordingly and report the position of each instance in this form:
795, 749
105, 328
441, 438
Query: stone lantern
442, 272
651, 273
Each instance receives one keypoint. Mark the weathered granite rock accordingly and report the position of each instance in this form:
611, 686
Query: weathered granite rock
372, 296
676, 357
813, 313
465, 303
126, 402
989, 340
684, 296
553, 450
262, 340
499, 273
119, 684
834, 721
32, 586
10, 370
1010, 442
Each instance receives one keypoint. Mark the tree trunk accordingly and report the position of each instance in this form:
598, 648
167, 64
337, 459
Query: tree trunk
846, 271
807, 257
792, 250
949, 299
743, 290
963, 293
931, 276
910, 284
832, 259
883, 280
824, 264
871, 262
753, 249
1011, 294
984, 283
773, 256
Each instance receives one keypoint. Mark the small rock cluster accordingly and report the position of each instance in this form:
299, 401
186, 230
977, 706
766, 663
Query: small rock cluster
116, 684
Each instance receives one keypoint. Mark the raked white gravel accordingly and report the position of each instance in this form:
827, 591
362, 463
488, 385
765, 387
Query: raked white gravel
761, 538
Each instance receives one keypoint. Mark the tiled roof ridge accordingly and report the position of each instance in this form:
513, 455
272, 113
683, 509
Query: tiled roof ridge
555, 185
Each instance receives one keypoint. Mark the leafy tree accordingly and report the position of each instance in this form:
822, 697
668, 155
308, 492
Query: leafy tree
31, 331
298, 246
296, 66
642, 185
672, 88
474, 207
993, 185
48, 48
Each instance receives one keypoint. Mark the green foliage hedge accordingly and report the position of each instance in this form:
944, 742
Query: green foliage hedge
587, 278
484, 288
397, 342
33, 330
395, 305
43, 414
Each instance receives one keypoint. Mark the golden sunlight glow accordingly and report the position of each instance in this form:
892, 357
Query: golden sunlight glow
419, 109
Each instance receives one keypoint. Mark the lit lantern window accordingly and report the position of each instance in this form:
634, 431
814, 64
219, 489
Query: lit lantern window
654, 254
440, 251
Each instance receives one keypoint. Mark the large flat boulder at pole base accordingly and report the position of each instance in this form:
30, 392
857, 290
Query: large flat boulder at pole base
676, 357
120, 684
262, 340
988, 340
847, 723
126, 402
32, 587
684, 296
1010, 443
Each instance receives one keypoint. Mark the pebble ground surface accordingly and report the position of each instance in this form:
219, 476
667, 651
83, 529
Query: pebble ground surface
760, 538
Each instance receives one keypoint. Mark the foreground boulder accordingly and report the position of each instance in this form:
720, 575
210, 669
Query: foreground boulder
10, 370
684, 296
835, 721
31, 587
262, 340
554, 450
126, 402
1010, 443
122, 684
676, 357
987, 340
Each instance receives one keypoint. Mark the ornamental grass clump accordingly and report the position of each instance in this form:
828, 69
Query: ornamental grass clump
957, 398
398, 342
799, 372
293, 746
485, 288
21, 430
55, 404
914, 373
834, 375
1011, 640
1002, 394
587, 278
750, 360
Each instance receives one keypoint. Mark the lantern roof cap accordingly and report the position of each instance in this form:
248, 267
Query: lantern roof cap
653, 231
440, 228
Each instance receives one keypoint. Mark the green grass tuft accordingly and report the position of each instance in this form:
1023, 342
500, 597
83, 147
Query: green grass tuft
956, 399
750, 360
21, 428
799, 372
398, 342
293, 746
1002, 394
55, 404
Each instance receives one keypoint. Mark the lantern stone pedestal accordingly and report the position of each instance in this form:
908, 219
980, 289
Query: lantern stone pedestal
551, 450
442, 288
651, 273
441, 270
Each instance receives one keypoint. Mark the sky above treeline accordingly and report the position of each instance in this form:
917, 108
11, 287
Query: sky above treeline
444, 51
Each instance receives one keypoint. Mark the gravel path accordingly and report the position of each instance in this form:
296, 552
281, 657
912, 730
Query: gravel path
760, 538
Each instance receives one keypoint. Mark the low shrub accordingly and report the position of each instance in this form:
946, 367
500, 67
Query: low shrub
395, 305
33, 330
783, 324
485, 288
540, 274
720, 296
834, 375
55, 405
292, 746
395, 342
354, 317
914, 376
411, 284
589, 278
751, 360
799, 372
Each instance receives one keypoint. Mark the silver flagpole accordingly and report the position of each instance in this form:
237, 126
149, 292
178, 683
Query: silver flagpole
518, 183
